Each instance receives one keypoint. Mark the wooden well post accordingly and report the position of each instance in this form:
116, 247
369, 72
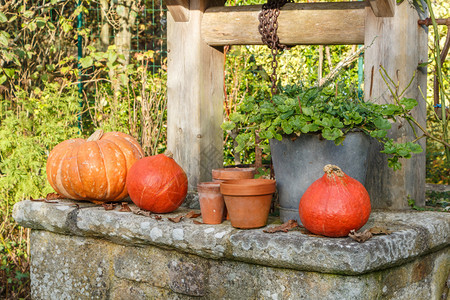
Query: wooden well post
198, 30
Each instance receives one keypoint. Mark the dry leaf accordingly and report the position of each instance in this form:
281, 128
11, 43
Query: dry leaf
282, 228
53, 196
192, 215
198, 222
176, 219
125, 207
379, 230
141, 212
50, 201
360, 237
40, 199
145, 213
109, 206
134, 209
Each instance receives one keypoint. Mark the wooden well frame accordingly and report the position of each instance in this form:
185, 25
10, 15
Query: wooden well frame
198, 30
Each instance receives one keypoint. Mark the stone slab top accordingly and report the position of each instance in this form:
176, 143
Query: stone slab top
414, 233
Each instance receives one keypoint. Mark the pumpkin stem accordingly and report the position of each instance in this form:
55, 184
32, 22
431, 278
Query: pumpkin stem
332, 169
95, 136
168, 153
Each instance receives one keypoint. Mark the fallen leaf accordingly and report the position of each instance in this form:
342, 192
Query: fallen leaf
125, 207
109, 206
50, 201
176, 219
53, 196
282, 228
379, 230
192, 215
134, 209
141, 212
40, 199
360, 237
198, 222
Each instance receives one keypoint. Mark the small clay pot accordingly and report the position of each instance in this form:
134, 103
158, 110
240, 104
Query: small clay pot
211, 201
248, 201
225, 174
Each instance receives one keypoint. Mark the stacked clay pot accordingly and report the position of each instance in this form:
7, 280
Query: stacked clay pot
248, 201
211, 201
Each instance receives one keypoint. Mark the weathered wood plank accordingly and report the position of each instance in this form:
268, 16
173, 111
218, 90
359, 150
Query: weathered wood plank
382, 8
398, 44
299, 23
179, 10
195, 97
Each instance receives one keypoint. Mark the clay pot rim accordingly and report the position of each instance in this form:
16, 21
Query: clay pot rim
230, 173
248, 187
209, 186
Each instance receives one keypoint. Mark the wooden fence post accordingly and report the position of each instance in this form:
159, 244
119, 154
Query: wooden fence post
195, 93
399, 45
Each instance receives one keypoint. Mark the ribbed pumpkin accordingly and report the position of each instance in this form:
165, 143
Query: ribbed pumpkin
94, 169
157, 184
334, 204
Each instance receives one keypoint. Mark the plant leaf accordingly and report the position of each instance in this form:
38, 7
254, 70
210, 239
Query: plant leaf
124, 207
228, 125
408, 103
379, 230
3, 18
332, 134
360, 237
282, 228
176, 219
382, 123
86, 62
192, 215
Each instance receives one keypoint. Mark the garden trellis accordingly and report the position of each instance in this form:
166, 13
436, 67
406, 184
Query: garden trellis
148, 32
198, 30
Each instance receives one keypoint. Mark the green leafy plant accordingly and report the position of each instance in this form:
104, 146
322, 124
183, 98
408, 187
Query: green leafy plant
298, 110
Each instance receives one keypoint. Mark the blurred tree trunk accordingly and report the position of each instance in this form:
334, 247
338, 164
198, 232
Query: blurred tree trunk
105, 31
126, 12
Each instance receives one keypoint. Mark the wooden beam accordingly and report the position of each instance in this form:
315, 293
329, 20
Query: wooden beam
398, 44
195, 98
382, 8
299, 23
179, 10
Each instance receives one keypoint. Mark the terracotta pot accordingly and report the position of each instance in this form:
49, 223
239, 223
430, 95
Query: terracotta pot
233, 173
211, 202
224, 174
248, 201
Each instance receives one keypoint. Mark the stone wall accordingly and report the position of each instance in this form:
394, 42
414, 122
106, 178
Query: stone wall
84, 252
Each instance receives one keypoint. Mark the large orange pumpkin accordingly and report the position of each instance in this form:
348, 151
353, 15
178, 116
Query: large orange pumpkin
334, 204
94, 169
157, 184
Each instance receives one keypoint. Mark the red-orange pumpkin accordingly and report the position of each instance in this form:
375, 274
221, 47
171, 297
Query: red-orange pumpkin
94, 169
157, 184
334, 204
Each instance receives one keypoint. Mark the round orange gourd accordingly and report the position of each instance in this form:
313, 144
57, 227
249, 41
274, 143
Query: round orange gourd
94, 169
334, 204
157, 184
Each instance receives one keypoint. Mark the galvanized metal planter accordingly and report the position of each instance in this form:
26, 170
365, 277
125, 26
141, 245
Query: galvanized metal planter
298, 163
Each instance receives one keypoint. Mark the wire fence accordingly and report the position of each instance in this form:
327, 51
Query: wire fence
148, 31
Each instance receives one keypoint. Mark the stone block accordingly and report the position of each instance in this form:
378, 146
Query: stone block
90, 253
68, 267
